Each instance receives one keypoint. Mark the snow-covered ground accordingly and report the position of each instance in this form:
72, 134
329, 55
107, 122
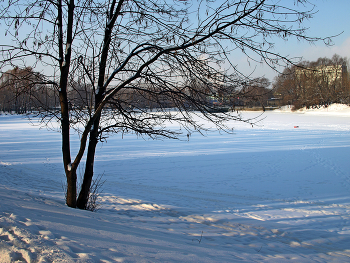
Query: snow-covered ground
275, 192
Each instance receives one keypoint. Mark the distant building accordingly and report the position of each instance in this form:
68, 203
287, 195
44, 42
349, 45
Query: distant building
333, 74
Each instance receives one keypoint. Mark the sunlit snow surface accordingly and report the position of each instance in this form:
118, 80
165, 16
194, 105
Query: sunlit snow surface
276, 192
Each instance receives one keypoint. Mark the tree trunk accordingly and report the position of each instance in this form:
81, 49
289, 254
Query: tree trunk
65, 59
71, 188
83, 197
89, 166
70, 173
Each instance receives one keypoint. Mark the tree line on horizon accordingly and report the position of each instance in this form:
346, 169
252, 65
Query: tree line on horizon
306, 84
22, 90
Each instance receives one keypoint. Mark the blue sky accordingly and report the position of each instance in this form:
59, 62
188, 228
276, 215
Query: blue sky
332, 18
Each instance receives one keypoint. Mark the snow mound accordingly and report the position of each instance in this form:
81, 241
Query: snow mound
285, 108
333, 109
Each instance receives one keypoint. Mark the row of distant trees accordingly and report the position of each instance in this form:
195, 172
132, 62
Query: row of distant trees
316, 83
307, 84
23, 90
20, 89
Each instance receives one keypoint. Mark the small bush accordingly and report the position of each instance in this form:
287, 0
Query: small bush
95, 192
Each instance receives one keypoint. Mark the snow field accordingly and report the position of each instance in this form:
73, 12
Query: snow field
268, 193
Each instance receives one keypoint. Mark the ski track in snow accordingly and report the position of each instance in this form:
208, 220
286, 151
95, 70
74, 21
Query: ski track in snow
272, 193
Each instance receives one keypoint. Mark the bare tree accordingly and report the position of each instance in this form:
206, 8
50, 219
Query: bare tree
139, 55
255, 93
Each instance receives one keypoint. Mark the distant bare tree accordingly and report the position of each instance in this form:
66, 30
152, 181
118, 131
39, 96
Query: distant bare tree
255, 93
141, 54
